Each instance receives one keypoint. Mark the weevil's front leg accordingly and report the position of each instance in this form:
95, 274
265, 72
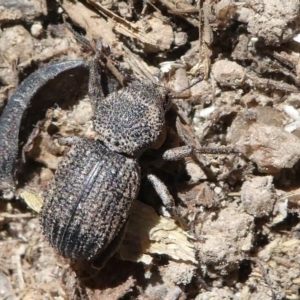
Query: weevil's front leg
166, 198
185, 151
12, 115
96, 92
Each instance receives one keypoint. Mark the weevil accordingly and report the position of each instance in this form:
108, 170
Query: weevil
89, 201
87, 205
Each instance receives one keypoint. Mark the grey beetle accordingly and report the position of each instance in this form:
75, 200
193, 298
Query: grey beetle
88, 203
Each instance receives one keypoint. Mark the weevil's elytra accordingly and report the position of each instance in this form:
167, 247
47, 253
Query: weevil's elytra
89, 200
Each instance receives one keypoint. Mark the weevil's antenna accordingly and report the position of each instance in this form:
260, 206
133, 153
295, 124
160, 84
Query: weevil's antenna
199, 79
170, 96
145, 73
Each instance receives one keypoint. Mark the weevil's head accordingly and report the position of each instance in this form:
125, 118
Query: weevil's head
133, 119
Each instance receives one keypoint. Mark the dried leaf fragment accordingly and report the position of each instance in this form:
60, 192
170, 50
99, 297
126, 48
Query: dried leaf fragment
148, 233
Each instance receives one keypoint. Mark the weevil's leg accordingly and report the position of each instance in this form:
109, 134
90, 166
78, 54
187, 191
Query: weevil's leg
12, 116
185, 151
96, 92
69, 140
166, 198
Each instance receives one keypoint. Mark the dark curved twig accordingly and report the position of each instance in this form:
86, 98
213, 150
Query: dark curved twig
12, 116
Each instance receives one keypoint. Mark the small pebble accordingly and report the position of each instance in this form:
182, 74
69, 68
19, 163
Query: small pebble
36, 30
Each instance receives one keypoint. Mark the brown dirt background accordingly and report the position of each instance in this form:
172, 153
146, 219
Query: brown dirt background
242, 210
